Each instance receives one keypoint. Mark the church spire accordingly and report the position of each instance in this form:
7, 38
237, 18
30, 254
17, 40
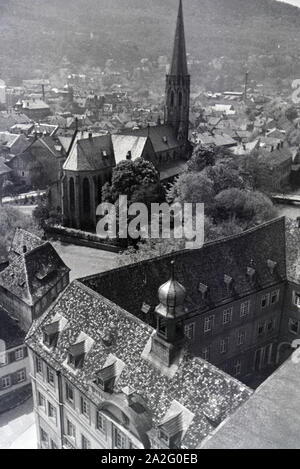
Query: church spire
178, 86
179, 61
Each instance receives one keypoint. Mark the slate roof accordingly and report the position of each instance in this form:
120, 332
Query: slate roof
270, 419
10, 332
34, 104
196, 384
33, 274
86, 154
275, 157
8, 119
230, 256
122, 144
15, 143
23, 238
179, 60
3, 168
163, 137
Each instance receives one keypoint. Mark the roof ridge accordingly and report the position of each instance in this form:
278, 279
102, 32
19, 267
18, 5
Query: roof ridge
181, 251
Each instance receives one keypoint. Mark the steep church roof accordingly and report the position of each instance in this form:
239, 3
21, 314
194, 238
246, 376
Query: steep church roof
179, 62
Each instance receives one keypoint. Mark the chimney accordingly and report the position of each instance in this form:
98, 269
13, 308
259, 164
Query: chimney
90, 135
129, 156
129, 394
24, 249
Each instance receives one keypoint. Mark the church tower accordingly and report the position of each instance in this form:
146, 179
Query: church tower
178, 84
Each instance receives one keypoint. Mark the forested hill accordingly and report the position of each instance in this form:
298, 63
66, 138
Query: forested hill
37, 34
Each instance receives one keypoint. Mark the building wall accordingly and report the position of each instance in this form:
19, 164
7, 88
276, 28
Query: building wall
25, 313
17, 308
56, 428
11, 364
242, 346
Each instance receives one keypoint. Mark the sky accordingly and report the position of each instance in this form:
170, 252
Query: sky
292, 2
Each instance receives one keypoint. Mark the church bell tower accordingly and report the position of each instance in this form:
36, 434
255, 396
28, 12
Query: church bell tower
178, 84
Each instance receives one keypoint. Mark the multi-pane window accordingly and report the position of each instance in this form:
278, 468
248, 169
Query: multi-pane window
85, 443
50, 377
265, 300
294, 326
189, 331
237, 368
209, 323
69, 393
19, 354
270, 325
101, 422
241, 337
224, 346
85, 408
245, 309
227, 316
205, 353
260, 328
44, 436
53, 445
41, 401
52, 411
275, 297
119, 439
21, 376
6, 382
38, 365
71, 430
297, 299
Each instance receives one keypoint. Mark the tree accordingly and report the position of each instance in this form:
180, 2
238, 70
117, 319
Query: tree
224, 177
134, 179
246, 207
202, 157
192, 188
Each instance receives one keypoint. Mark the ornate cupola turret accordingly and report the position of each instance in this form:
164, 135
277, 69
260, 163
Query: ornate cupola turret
169, 336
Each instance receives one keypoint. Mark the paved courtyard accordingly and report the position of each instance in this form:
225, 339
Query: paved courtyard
85, 261
17, 428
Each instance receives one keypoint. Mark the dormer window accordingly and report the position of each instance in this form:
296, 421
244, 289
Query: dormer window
251, 275
272, 266
174, 426
51, 331
145, 308
229, 283
106, 378
50, 334
76, 355
204, 290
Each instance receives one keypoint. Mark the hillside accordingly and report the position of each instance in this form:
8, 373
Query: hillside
261, 34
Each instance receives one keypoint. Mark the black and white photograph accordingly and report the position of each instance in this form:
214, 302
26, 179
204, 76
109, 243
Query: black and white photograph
149, 227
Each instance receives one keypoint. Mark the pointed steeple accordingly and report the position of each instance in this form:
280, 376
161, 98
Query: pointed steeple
179, 61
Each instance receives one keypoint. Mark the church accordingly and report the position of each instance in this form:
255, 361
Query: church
91, 158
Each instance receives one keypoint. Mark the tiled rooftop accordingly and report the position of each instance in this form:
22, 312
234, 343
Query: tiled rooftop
230, 256
33, 274
196, 385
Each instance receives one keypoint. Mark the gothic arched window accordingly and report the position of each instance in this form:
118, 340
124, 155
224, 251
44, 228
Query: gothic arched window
180, 98
86, 195
72, 194
172, 98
